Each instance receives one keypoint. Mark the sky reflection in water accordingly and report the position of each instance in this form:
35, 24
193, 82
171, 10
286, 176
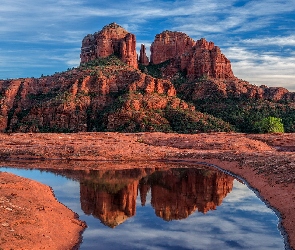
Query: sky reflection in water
111, 202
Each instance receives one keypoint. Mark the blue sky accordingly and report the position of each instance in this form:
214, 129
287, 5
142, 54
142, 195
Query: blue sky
44, 37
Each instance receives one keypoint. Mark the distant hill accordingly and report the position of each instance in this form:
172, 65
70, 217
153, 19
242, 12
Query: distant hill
187, 87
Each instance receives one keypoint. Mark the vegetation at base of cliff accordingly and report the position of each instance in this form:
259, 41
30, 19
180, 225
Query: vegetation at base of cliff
186, 121
244, 114
119, 117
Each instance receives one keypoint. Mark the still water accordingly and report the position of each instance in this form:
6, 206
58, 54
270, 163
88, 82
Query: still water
152, 208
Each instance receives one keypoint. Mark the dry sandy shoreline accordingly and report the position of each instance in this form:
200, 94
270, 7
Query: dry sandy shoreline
258, 159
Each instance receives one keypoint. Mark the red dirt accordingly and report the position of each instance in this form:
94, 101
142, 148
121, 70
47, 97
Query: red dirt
253, 157
31, 218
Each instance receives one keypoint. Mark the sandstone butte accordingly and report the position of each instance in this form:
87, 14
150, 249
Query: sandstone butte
83, 98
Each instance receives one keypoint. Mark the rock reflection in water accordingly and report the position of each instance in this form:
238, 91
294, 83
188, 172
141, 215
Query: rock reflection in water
177, 193
110, 195
242, 222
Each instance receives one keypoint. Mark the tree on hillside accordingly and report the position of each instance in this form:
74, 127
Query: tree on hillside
269, 125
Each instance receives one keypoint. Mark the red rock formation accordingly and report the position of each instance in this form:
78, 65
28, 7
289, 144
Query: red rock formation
73, 101
206, 60
197, 59
69, 101
112, 39
169, 45
143, 59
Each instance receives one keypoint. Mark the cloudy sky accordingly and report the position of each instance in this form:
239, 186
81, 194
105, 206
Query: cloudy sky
44, 37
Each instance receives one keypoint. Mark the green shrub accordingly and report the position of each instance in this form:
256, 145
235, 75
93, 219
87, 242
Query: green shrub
270, 125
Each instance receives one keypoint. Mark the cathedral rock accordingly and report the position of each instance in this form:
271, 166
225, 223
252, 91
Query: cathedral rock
195, 58
112, 94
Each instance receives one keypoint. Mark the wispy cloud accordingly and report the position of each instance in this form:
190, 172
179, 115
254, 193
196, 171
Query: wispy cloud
270, 69
276, 40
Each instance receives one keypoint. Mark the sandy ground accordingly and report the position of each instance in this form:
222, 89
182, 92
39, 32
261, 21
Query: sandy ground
266, 162
31, 218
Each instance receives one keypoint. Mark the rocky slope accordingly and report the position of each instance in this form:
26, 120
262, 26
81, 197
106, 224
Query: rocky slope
105, 94
187, 87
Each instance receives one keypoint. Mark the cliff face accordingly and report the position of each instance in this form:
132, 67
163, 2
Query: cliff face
196, 59
112, 39
168, 45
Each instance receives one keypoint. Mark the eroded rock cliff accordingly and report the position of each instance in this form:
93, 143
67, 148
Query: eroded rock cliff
195, 59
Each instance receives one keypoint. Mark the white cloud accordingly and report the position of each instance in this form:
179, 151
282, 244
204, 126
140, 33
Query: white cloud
277, 40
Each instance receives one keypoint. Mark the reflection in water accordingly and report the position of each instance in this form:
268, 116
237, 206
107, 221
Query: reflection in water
177, 193
146, 198
110, 195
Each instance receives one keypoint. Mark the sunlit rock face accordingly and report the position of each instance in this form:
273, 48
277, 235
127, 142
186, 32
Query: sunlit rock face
112, 39
168, 45
195, 58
